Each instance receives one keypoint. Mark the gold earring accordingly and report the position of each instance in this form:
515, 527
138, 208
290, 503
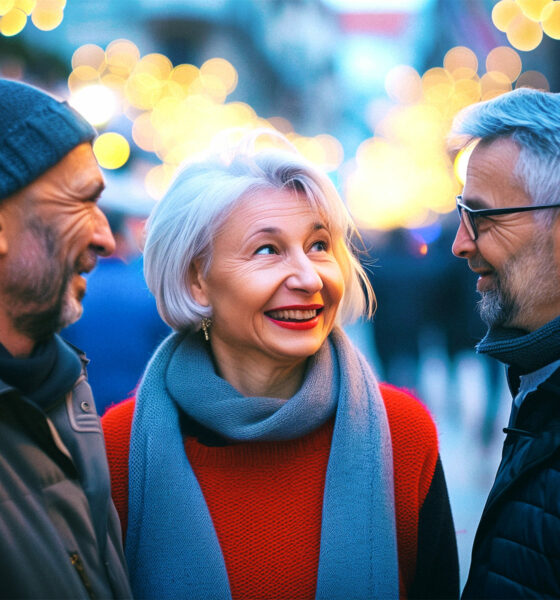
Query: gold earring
206, 324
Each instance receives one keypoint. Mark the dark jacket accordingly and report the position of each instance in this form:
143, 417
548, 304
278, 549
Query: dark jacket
59, 532
516, 552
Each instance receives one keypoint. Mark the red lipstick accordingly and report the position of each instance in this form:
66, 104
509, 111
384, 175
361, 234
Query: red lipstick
298, 325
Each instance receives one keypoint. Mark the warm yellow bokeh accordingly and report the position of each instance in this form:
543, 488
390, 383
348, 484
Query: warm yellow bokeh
506, 60
13, 22
533, 8
525, 21
54, 5
467, 91
114, 82
402, 176
437, 86
6, 6
45, 19
551, 20
461, 162
156, 65
460, 57
143, 132
222, 70
111, 150
45, 15
82, 76
493, 83
142, 90
184, 75
504, 12
121, 56
524, 34
90, 55
26, 6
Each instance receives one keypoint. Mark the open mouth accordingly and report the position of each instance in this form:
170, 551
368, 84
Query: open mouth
294, 315
298, 318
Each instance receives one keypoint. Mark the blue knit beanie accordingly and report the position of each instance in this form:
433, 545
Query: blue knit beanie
36, 132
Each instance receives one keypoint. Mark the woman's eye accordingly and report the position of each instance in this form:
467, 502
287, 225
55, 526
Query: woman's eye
321, 246
268, 249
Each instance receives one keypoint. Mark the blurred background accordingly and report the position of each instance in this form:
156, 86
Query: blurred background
367, 90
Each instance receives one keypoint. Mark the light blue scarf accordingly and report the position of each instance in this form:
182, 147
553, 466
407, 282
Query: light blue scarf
172, 548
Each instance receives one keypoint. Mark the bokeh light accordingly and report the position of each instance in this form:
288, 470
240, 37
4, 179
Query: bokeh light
13, 22
551, 20
26, 6
111, 150
175, 110
97, 103
533, 79
6, 6
504, 12
524, 34
533, 8
121, 56
525, 21
461, 62
403, 175
505, 60
89, 55
48, 14
461, 162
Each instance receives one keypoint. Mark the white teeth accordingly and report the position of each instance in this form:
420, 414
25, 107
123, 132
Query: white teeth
293, 315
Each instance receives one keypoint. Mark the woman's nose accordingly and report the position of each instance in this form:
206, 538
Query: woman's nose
103, 241
303, 275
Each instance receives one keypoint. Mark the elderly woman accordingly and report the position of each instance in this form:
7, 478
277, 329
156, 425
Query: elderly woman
260, 458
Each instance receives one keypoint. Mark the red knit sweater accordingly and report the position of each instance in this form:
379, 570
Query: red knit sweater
265, 498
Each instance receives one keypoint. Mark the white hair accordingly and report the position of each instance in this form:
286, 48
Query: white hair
184, 223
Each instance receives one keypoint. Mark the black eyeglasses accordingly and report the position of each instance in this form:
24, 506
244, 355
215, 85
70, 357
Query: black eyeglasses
469, 216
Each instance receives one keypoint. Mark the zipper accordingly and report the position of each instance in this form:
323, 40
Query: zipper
78, 565
520, 432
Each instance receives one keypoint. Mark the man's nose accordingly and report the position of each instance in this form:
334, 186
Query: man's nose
463, 245
103, 241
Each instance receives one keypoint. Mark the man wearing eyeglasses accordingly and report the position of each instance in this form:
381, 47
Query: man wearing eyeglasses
509, 232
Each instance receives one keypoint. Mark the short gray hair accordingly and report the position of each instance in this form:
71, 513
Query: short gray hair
183, 224
531, 119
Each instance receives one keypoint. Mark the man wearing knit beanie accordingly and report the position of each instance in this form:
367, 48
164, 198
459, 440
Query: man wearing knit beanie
59, 534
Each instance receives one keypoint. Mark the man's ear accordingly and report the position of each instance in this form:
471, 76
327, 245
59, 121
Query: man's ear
3, 233
556, 240
197, 284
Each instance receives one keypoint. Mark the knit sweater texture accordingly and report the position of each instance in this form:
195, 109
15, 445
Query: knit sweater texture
261, 495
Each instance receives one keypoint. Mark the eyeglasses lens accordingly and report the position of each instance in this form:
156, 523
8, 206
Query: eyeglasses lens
469, 225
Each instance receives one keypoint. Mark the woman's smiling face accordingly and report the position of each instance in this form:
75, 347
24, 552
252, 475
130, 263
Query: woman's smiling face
274, 283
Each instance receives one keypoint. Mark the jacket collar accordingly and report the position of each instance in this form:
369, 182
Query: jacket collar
526, 352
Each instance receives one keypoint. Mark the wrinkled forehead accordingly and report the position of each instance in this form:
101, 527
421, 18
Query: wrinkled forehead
281, 201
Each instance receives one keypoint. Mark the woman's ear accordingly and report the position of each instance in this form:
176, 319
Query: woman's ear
197, 284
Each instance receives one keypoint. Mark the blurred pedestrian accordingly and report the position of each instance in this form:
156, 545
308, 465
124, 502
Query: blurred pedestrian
265, 460
509, 233
59, 531
121, 327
